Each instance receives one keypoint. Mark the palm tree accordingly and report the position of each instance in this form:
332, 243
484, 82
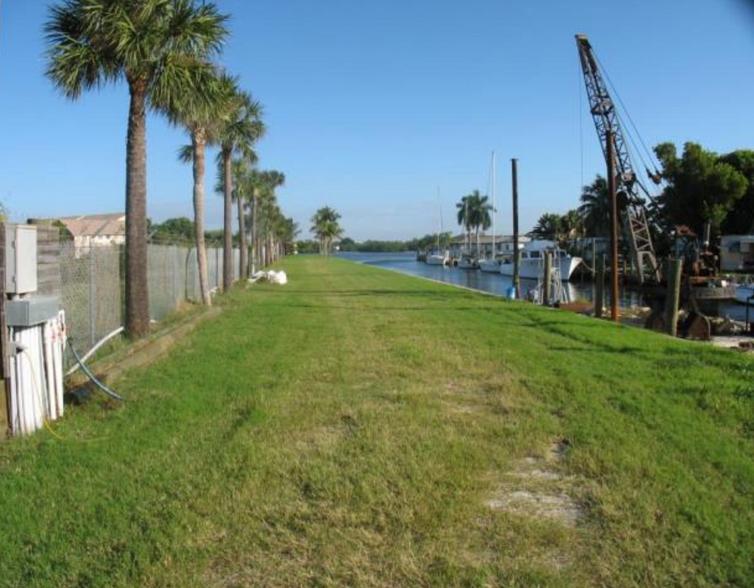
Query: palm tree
152, 45
326, 227
241, 127
198, 113
478, 212
547, 227
595, 207
263, 184
464, 217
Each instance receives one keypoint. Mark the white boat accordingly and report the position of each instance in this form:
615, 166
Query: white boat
532, 261
745, 294
490, 266
466, 261
437, 259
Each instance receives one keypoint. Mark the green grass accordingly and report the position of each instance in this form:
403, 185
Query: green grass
347, 429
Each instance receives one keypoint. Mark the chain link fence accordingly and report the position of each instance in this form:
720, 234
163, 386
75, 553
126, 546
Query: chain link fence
92, 285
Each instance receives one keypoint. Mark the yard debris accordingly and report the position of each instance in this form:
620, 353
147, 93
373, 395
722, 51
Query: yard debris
271, 276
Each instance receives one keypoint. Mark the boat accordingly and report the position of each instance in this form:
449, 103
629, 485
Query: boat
745, 294
532, 261
436, 256
492, 264
466, 261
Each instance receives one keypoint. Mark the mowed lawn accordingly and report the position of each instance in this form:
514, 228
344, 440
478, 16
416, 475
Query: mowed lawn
357, 427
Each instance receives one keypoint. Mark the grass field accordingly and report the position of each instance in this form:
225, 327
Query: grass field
363, 428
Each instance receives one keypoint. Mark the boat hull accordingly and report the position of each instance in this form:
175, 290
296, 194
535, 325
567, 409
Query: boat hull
466, 263
436, 260
532, 269
743, 293
490, 266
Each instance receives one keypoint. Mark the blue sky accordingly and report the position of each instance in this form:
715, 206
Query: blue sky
372, 105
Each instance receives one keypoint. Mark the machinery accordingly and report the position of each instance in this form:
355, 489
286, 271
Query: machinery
700, 281
632, 195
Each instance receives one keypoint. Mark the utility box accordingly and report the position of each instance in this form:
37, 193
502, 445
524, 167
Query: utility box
20, 259
31, 311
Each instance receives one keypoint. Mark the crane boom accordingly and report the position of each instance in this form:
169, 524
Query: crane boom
628, 186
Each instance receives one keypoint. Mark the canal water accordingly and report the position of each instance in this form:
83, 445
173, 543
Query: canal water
405, 262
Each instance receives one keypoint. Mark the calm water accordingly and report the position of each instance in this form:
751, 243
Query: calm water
406, 263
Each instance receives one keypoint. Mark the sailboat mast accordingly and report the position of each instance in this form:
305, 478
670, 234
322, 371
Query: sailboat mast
494, 209
439, 209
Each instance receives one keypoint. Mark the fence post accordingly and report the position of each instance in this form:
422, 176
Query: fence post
5, 404
92, 295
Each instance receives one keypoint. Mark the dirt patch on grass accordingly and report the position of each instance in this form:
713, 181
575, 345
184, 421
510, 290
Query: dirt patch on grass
536, 488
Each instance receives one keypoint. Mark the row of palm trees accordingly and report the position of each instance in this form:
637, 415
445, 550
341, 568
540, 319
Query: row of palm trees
164, 50
326, 227
474, 214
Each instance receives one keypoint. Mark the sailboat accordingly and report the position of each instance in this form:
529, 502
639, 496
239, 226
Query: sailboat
437, 257
492, 264
466, 259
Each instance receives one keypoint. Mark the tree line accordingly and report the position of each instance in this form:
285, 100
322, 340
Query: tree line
165, 51
700, 186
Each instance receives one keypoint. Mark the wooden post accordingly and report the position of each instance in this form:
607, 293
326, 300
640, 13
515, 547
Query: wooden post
599, 285
614, 293
547, 279
516, 277
673, 295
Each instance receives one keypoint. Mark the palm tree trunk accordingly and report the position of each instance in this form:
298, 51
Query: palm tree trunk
137, 285
199, 145
227, 221
242, 238
254, 229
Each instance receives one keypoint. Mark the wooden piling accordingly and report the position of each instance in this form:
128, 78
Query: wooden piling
546, 295
673, 295
599, 285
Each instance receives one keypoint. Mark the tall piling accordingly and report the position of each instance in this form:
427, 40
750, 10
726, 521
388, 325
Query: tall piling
599, 284
614, 296
673, 296
514, 180
546, 295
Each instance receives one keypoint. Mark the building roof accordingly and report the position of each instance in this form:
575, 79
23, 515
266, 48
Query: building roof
487, 239
96, 225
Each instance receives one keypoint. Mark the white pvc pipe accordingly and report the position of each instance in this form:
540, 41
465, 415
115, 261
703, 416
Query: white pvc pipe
94, 349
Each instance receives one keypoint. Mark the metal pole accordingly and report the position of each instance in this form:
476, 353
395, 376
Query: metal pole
5, 396
516, 277
92, 310
673, 296
613, 226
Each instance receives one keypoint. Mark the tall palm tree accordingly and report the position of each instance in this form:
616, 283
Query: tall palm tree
464, 217
241, 128
242, 190
595, 207
326, 227
198, 113
152, 45
479, 209
261, 184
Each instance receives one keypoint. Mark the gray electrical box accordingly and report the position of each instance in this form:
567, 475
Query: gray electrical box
20, 259
27, 312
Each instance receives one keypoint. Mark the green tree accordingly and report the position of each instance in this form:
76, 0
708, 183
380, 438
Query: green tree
152, 45
240, 129
741, 219
326, 227
547, 227
701, 187
174, 230
595, 208
197, 109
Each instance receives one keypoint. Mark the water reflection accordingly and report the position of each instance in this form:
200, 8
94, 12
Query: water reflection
498, 284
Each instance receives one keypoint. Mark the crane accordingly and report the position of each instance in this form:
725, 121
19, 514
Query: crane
632, 194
